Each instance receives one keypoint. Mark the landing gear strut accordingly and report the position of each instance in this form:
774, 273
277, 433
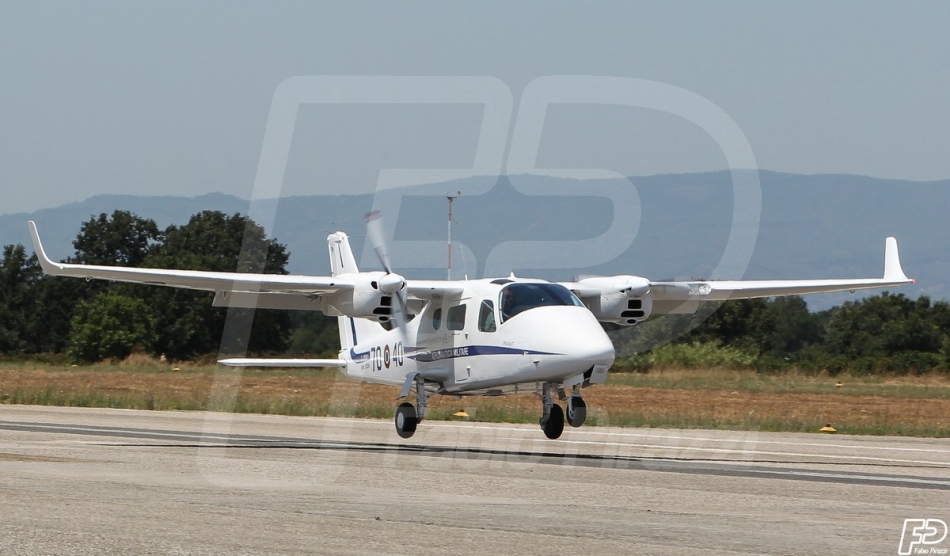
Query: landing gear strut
407, 416
552, 420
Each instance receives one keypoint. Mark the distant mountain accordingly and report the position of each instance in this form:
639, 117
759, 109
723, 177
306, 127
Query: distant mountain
817, 226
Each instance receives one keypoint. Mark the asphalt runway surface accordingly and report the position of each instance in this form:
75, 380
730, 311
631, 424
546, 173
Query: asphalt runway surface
99, 481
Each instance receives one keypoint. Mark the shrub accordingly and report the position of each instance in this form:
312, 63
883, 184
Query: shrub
110, 326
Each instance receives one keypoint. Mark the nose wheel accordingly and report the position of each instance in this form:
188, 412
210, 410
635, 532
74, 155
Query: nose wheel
576, 411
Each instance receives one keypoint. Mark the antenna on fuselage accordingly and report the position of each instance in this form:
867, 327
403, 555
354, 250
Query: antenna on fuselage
450, 198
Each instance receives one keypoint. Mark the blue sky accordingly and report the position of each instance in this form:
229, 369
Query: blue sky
173, 97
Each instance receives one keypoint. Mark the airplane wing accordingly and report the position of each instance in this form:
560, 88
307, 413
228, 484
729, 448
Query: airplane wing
193, 279
434, 289
718, 290
607, 295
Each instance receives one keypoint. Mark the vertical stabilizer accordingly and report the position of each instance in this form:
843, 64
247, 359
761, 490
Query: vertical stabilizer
342, 261
341, 256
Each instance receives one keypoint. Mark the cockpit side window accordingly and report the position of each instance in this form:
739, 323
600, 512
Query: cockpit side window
486, 316
437, 318
516, 298
455, 320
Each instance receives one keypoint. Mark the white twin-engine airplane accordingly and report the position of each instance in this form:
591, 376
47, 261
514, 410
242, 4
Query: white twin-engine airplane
469, 337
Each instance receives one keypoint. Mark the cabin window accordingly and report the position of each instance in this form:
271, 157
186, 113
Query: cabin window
437, 318
456, 318
486, 316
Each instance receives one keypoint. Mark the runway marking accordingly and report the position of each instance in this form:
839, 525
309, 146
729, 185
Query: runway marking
591, 431
765, 453
730, 468
212, 437
703, 439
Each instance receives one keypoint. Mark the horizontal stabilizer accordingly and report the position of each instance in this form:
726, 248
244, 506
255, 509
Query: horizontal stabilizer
285, 363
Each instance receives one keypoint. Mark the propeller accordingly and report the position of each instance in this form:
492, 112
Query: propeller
391, 283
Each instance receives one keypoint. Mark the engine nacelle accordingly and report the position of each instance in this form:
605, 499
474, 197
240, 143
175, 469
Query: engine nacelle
623, 300
373, 297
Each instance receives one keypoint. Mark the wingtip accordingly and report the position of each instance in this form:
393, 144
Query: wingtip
892, 263
45, 263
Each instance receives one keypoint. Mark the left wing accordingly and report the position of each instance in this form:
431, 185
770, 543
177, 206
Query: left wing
719, 290
194, 279
628, 300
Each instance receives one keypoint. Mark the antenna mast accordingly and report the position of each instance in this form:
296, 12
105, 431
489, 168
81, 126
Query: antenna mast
451, 198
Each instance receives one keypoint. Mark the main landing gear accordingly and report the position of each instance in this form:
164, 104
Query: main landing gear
553, 417
407, 416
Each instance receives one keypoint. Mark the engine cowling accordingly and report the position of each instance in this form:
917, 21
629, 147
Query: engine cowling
623, 300
372, 297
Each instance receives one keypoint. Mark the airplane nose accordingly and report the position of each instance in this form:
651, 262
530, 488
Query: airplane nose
571, 337
589, 343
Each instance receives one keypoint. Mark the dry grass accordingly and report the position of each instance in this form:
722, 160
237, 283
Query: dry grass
906, 406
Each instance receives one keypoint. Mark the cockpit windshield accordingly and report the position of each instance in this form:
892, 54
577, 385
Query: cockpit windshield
516, 298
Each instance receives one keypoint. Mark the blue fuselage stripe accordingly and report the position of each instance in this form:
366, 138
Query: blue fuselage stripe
469, 351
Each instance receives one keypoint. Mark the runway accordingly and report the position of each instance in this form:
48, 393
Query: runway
94, 481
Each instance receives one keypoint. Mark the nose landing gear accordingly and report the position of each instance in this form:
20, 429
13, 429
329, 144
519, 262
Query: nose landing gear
576, 411
553, 418
576, 408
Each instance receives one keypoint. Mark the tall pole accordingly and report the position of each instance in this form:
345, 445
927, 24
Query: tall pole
450, 198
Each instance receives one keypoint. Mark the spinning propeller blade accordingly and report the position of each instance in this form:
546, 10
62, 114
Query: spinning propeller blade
392, 283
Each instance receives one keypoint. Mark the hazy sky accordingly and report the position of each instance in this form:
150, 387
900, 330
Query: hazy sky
173, 97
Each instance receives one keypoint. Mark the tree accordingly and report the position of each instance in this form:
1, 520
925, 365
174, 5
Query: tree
119, 239
16, 301
794, 329
110, 326
743, 323
187, 323
884, 325
122, 239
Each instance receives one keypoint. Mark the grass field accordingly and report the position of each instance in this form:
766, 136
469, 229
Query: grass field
908, 405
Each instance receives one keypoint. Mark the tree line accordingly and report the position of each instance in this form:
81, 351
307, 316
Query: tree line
94, 320
885, 333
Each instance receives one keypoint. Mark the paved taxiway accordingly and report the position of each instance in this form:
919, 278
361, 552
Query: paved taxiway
93, 481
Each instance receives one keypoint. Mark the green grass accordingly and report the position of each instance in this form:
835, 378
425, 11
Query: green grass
925, 387
666, 399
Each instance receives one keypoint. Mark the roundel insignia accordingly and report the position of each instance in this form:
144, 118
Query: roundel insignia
386, 357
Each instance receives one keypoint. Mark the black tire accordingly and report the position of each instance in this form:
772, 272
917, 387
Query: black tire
406, 420
555, 425
577, 411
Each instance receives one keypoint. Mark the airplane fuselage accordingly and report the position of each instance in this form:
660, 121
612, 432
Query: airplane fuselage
473, 344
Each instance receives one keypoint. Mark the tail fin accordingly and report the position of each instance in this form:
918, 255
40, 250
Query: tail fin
342, 261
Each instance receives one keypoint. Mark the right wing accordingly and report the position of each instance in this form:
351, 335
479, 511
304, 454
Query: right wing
194, 279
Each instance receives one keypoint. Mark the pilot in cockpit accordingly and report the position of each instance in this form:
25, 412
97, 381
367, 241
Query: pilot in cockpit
507, 304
